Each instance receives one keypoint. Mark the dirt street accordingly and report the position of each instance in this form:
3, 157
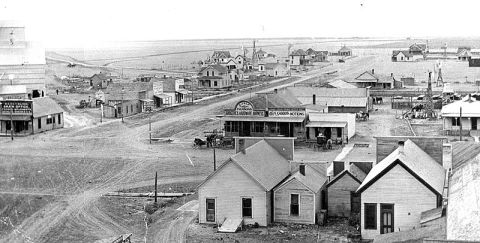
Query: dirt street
88, 158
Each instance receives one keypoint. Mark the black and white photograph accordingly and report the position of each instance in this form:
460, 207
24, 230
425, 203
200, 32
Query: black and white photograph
343, 121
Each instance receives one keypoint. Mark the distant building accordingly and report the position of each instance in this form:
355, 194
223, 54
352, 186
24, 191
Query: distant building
219, 57
374, 81
410, 81
340, 84
214, 77
345, 51
126, 99
298, 58
277, 69
100, 80
30, 116
418, 49
22, 62
174, 87
339, 127
402, 56
398, 189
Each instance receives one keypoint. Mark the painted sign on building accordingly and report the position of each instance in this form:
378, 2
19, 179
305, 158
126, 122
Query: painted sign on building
16, 107
286, 113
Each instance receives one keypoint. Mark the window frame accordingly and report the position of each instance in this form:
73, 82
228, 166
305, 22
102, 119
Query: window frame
251, 207
298, 205
59, 119
375, 224
214, 209
49, 121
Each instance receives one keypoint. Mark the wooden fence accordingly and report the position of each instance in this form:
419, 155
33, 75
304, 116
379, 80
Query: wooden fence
410, 104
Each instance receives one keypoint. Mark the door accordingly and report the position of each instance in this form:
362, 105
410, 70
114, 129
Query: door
245, 129
474, 123
210, 210
355, 203
386, 218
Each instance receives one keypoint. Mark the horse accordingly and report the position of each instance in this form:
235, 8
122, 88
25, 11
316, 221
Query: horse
198, 143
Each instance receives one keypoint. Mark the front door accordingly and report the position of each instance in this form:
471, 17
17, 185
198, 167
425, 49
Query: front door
474, 123
210, 210
245, 129
386, 218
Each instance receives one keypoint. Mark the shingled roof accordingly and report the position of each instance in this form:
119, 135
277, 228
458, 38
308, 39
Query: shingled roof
221, 54
312, 179
462, 152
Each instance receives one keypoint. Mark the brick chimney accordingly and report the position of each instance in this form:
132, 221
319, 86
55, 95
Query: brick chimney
301, 168
373, 71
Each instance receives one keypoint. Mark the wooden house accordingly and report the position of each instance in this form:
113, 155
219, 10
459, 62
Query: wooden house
242, 187
298, 199
398, 189
298, 58
340, 84
345, 51
277, 69
463, 209
402, 56
214, 77
469, 119
370, 79
219, 57
418, 49
100, 80
341, 194
336, 126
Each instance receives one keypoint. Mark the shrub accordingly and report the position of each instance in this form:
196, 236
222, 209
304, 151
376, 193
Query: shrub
354, 219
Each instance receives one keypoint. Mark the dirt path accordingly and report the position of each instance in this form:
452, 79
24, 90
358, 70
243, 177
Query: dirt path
75, 217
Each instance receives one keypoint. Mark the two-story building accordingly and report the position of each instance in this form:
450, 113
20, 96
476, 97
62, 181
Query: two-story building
214, 77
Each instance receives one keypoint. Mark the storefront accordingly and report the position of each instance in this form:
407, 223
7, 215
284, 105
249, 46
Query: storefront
247, 121
16, 112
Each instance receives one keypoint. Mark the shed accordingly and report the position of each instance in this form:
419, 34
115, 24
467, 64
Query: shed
335, 126
342, 198
242, 186
298, 199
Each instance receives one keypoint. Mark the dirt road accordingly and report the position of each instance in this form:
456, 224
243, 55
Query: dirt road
90, 159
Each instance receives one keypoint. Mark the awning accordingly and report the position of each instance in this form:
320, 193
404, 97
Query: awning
183, 91
326, 124
146, 100
263, 119
162, 96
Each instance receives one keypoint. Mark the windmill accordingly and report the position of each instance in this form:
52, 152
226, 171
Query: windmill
438, 70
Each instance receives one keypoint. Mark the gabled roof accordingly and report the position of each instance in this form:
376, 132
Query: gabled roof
298, 52
310, 51
405, 53
45, 106
221, 69
413, 159
221, 54
261, 52
367, 76
344, 48
312, 179
418, 47
342, 174
102, 76
264, 163
463, 152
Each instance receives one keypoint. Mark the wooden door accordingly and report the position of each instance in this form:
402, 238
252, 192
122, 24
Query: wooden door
210, 210
386, 218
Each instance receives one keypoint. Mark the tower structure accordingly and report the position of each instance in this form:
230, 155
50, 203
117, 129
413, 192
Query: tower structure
438, 70
429, 112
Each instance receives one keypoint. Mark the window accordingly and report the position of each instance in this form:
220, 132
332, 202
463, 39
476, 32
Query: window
228, 126
355, 202
258, 127
246, 207
126, 109
370, 216
210, 210
215, 83
53, 119
49, 121
213, 73
208, 73
59, 119
339, 132
294, 207
456, 121
39, 123
235, 126
131, 108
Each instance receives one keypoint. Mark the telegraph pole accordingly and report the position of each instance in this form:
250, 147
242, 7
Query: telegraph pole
156, 186
121, 105
150, 128
460, 123
214, 160
11, 122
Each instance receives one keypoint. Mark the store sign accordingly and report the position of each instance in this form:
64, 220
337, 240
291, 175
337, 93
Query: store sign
16, 107
286, 113
244, 108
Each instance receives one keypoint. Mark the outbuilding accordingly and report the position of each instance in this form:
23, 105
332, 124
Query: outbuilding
339, 127
464, 114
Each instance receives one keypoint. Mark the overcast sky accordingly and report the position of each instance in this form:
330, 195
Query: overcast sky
66, 22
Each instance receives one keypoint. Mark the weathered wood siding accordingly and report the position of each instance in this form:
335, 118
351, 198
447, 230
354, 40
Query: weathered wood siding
432, 146
339, 196
228, 187
409, 196
306, 208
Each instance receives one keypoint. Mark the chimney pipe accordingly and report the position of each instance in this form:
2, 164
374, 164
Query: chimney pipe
391, 74
401, 146
314, 99
373, 71
302, 169
275, 91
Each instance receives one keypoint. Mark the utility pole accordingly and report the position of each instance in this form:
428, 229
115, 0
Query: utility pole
150, 128
101, 113
214, 160
121, 105
11, 122
460, 123
156, 186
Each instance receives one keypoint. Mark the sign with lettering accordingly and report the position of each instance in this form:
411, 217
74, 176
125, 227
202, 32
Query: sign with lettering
286, 113
16, 107
244, 108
